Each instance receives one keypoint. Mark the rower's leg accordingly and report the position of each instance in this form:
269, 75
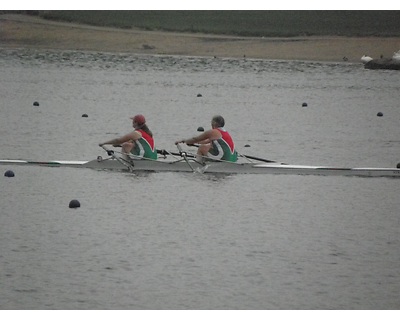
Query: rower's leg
199, 158
126, 149
202, 152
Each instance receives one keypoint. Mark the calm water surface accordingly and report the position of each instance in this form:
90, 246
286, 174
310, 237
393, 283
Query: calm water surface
191, 241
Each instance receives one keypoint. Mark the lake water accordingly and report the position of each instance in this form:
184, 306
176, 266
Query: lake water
192, 241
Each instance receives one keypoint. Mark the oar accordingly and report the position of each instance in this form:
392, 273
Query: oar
246, 156
159, 151
257, 158
165, 153
184, 155
120, 160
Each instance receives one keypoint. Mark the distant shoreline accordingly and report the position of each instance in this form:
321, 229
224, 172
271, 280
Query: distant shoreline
22, 31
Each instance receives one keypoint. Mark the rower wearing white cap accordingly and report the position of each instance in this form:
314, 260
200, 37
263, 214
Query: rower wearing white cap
215, 144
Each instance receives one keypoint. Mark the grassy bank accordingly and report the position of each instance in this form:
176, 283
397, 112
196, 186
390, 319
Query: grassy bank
34, 32
243, 23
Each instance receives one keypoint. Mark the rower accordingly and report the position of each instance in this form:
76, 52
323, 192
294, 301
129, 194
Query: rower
215, 144
139, 142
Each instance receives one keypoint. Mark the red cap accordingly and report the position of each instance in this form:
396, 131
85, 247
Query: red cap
139, 119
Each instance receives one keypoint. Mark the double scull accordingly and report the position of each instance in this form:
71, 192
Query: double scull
185, 162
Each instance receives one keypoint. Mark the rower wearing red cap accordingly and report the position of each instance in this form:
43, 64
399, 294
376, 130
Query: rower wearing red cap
139, 142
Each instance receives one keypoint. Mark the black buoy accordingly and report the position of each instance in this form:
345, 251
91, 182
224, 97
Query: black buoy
200, 129
379, 114
84, 115
398, 165
74, 204
36, 104
304, 104
9, 173
247, 146
199, 95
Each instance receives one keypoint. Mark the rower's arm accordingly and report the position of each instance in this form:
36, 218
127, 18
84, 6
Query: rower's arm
205, 137
118, 141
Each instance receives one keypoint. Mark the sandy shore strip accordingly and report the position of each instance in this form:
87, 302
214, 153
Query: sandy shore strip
21, 31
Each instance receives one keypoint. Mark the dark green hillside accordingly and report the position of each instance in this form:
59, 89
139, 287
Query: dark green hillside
244, 23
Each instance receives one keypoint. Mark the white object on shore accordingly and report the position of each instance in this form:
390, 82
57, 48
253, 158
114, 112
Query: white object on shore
396, 56
365, 59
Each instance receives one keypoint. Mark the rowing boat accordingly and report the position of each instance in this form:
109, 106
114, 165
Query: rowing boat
183, 162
